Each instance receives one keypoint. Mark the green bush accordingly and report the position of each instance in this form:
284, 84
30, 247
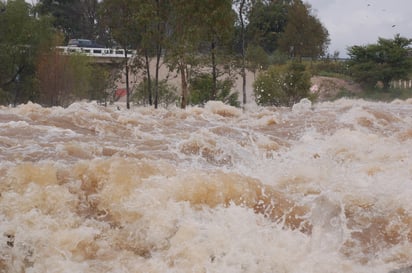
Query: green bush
283, 85
385, 61
256, 58
201, 86
278, 58
167, 93
100, 83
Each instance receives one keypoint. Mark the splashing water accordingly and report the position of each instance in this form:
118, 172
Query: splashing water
315, 188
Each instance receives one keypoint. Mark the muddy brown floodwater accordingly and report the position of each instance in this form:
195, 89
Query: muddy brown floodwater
313, 188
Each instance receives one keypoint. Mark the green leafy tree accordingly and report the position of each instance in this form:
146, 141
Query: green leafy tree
257, 30
216, 22
23, 36
282, 85
74, 18
267, 19
141, 25
198, 27
385, 61
120, 20
304, 35
167, 94
201, 90
153, 16
243, 8
183, 42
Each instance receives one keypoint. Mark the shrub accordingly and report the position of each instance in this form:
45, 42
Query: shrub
63, 79
167, 93
283, 85
201, 86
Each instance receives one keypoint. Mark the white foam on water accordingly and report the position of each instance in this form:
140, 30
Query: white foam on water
315, 188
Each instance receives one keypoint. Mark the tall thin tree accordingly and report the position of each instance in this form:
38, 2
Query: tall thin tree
241, 13
119, 17
183, 41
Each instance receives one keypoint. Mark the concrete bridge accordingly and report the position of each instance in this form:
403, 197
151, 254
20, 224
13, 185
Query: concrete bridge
99, 55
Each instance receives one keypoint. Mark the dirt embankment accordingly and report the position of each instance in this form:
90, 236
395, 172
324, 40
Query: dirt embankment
328, 88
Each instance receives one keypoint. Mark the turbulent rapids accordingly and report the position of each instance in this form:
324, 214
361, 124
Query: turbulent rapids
314, 188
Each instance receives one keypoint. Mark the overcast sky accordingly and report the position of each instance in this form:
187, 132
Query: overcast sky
361, 22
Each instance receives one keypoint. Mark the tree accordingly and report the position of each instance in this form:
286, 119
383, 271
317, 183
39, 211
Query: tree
63, 79
304, 35
22, 37
183, 41
74, 18
267, 19
385, 61
242, 10
142, 25
153, 16
282, 85
167, 93
102, 83
119, 18
198, 27
201, 85
216, 22
259, 25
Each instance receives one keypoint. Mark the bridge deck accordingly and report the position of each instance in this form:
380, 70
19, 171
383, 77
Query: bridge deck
96, 52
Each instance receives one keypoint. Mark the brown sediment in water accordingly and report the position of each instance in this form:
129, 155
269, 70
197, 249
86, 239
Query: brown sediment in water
100, 188
373, 228
405, 135
218, 188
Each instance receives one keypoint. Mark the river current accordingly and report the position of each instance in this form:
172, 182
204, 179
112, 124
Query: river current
319, 188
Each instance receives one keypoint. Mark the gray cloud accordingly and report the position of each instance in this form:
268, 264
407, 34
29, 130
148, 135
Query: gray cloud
360, 22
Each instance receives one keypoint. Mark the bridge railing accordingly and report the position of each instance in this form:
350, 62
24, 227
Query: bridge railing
96, 52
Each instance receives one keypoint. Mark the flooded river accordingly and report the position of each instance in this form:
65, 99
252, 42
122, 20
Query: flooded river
319, 188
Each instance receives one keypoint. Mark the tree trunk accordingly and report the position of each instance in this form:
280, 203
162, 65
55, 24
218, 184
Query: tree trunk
158, 54
16, 95
214, 72
156, 101
242, 34
184, 86
387, 84
127, 79
149, 79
